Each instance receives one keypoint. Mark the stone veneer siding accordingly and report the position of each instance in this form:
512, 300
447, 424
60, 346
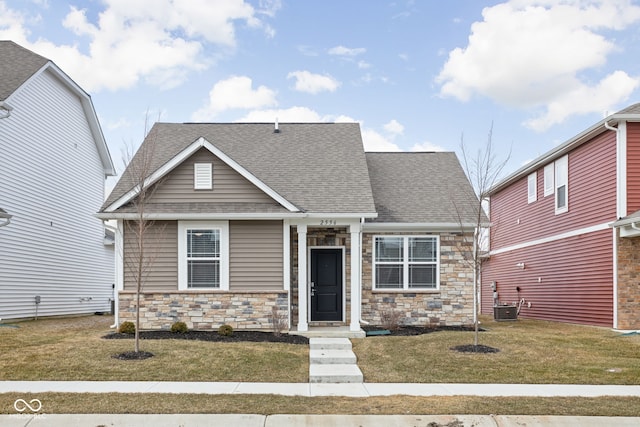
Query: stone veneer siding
338, 237
628, 283
205, 310
451, 305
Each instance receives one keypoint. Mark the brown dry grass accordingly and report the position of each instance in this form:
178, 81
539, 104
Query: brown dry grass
531, 351
70, 403
72, 349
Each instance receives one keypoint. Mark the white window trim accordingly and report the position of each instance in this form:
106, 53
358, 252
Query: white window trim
405, 264
203, 176
532, 190
549, 180
560, 161
183, 226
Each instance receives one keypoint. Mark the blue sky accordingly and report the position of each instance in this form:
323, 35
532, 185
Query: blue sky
417, 75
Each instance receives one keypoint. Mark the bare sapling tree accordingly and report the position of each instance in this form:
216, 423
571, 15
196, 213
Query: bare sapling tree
141, 233
483, 169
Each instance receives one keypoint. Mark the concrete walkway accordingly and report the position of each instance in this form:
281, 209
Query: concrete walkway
320, 389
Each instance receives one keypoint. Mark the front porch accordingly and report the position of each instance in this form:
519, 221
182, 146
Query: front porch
328, 332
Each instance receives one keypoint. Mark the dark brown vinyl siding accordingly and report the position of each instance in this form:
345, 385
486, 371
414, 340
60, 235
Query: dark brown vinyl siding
256, 260
576, 279
162, 250
228, 185
591, 191
633, 167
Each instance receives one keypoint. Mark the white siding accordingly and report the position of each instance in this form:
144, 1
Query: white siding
52, 182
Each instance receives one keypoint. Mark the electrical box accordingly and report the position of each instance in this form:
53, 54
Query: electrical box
505, 312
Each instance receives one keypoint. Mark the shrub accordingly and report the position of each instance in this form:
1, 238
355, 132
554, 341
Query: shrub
179, 328
127, 328
279, 321
391, 319
225, 330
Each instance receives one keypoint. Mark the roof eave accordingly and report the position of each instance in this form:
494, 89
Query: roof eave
419, 226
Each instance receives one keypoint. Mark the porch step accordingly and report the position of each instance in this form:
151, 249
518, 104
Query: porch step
331, 360
332, 357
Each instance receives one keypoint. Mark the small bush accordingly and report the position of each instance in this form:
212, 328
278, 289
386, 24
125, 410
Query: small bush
127, 328
225, 330
179, 328
279, 321
390, 319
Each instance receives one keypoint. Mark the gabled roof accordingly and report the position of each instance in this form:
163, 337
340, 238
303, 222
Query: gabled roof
18, 65
630, 113
316, 167
426, 188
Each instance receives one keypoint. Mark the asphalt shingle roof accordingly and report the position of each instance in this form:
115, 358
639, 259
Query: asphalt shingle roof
318, 167
421, 187
17, 65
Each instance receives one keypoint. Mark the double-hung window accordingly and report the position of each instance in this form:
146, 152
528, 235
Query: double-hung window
203, 251
532, 184
406, 262
561, 184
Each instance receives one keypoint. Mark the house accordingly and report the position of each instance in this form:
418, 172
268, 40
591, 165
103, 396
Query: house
565, 236
53, 165
251, 216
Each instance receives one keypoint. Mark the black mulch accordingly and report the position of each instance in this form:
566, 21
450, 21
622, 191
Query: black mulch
132, 355
406, 331
470, 348
214, 336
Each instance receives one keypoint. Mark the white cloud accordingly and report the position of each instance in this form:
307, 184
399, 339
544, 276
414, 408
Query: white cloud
374, 141
394, 127
427, 146
172, 34
236, 92
363, 65
313, 83
346, 51
535, 54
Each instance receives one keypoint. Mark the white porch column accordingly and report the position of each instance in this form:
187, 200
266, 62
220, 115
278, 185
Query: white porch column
356, 265
302, 278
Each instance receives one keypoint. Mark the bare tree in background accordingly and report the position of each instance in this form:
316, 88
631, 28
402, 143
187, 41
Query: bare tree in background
141, 234
483, 169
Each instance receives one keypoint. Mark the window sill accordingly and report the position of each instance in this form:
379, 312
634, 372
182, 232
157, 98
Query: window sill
406, 291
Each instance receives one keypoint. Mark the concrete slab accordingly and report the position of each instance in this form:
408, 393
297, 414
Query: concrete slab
335, 374
191, 420
344, 389
324, 356
329, 343
413, 389
560, 421
378, 420
284, 389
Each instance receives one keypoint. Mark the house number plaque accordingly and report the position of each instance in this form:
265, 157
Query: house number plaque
327, 222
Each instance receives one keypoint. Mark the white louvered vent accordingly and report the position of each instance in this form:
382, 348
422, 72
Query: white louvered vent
202, 176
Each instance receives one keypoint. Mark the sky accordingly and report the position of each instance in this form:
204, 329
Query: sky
418, 75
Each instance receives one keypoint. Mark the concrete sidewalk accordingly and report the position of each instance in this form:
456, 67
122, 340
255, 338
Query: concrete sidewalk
203, 420
321, 389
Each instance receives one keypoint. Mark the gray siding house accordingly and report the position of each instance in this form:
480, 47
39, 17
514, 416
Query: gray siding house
53, 164
251, 216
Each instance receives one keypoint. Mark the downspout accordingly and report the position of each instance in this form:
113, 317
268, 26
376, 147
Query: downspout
362, 321
620, 211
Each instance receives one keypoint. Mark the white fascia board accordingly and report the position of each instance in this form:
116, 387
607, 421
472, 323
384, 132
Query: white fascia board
249, 176
419, 226
564, 148
198, 216
341, 215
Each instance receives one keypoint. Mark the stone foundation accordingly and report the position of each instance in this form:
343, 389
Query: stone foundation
241, 310
628, 283
451, 305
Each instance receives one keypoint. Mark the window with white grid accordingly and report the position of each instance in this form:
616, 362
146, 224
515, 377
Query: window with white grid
406, 262
203, 252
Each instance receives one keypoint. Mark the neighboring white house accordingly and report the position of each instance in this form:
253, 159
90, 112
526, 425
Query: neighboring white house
54, 258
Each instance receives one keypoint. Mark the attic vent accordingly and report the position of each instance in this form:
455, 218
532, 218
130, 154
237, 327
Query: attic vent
202, 176
276, 129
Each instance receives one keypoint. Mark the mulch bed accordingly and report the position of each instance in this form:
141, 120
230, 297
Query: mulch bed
470, 348
406, 331
214, 336
132, 355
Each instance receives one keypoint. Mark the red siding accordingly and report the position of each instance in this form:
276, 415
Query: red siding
633, 167
592, 198
576, 279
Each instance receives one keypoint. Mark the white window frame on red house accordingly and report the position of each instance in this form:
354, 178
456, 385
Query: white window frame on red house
404, 262
549, 181
561, 185
532, 187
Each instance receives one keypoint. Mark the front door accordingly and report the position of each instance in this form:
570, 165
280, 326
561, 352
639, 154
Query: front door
326, 285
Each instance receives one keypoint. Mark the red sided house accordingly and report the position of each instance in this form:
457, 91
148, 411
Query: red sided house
565, 234
248, 217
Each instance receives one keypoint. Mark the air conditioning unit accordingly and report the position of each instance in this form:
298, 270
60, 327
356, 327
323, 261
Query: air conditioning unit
505, 312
